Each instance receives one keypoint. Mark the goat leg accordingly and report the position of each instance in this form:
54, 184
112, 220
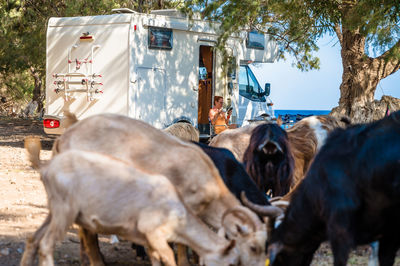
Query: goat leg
90, 252
32, 244
182, 255
388, 246
159, 249
55, 230
140, 251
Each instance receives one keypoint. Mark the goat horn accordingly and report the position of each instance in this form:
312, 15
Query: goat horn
277, 198
244, 212
272, 211
283, 204
261, 146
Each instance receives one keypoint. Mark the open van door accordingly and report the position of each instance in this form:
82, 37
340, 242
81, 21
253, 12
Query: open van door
206, 66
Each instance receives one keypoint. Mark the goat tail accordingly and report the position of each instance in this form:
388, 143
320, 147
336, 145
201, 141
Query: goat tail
70, 119
33, 146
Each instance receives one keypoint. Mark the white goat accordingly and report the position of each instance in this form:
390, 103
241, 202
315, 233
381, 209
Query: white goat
106, 195
236, 140
192, 172
184, 131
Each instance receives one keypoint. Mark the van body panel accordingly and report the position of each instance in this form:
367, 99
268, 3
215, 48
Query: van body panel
145, 66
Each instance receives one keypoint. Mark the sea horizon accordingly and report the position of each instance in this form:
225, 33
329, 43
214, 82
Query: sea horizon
292, 112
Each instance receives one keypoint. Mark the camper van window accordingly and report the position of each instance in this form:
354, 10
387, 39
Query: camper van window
160, 38
248, 85
255, 40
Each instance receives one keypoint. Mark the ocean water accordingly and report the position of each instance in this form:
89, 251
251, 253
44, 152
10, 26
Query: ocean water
301, 112
289, 117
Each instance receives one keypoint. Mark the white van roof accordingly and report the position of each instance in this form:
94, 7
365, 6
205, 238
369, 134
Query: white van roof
90, 20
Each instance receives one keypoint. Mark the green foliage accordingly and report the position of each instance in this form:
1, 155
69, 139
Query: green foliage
298, 24
19, 86
23, 33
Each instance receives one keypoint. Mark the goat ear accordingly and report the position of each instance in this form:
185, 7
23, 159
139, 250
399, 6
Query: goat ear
279, 121
242, 230
229, 247
237, 222
231, 231
234, 230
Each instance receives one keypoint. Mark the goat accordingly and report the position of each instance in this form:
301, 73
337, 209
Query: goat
268, 159
236, 140
238, 181
350, 196
241, 185
234, 175
304, 140
106, 195
307, 136
183, 130
190, 170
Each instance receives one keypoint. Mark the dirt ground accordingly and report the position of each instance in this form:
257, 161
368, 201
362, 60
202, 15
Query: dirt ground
23, 207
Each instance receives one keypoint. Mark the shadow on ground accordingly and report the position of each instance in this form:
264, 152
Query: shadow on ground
14, 130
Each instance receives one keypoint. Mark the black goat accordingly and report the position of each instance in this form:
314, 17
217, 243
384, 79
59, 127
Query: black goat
350, 196
268, 159
234, 175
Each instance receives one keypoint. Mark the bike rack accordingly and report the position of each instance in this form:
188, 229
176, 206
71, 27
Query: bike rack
89, 82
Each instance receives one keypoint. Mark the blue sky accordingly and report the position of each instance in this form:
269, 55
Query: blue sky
317, 89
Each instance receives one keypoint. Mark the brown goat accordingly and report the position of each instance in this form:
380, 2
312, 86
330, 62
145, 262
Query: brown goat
106, 195
191, 171
305, 138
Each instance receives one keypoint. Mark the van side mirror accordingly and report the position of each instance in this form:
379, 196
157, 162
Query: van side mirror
267, 89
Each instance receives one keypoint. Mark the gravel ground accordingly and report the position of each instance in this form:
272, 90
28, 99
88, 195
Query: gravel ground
23, 202
23, 206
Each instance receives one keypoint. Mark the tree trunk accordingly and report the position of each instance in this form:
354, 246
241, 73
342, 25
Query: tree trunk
37, 95
361, 75
160, 4
141, 6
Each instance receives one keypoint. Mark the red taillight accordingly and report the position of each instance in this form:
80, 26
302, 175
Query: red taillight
51, 123
86, 38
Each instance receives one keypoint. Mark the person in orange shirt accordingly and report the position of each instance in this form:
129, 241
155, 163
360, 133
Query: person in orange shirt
218, 117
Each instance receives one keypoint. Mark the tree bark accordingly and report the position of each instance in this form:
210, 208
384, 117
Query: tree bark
359, 78
160, 4
141, 6
37, 90
361, 75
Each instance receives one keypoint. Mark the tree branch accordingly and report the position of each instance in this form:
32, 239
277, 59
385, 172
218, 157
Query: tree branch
387, 63
339, 33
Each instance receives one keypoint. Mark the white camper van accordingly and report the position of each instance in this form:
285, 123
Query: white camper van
159, 67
